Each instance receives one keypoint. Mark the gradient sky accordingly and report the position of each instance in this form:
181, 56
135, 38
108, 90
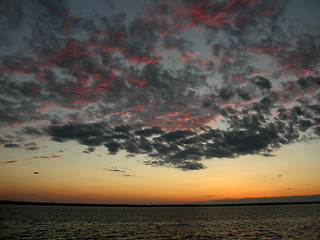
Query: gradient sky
158, 101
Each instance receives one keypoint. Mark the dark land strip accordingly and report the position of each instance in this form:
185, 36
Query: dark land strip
2, 202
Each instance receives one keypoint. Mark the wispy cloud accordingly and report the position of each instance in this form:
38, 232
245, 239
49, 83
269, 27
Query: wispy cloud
114, 170
46, 157
13, 161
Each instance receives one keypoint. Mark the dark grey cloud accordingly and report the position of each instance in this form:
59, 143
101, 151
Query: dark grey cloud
114, 170
89, 134
183, 82
12, 145
176, 135
179, 43
12, 12
149, 131
89, 150
185, 149
32, 146
113, 147
268, 155
262, 82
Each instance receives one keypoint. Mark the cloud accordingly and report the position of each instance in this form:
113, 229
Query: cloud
183, 82
262, 82
89, 150
89, 134
209, 196
114, 170
32, 146
14, 161
268, 155
119, 171
32, 131
13, 12
46, 157
11, 145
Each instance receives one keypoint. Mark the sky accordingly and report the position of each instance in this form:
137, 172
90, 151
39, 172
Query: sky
159, 101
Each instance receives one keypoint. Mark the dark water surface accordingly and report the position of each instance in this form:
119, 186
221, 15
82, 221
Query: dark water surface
245, 222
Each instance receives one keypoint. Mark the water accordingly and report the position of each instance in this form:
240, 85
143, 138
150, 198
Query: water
246, 222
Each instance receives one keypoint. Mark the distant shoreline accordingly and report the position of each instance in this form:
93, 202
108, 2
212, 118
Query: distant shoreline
2, 202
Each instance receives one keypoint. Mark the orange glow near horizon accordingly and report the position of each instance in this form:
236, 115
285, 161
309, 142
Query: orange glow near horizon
76, 179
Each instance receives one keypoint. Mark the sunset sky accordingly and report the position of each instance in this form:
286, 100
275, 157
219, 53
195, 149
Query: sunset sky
155, 101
